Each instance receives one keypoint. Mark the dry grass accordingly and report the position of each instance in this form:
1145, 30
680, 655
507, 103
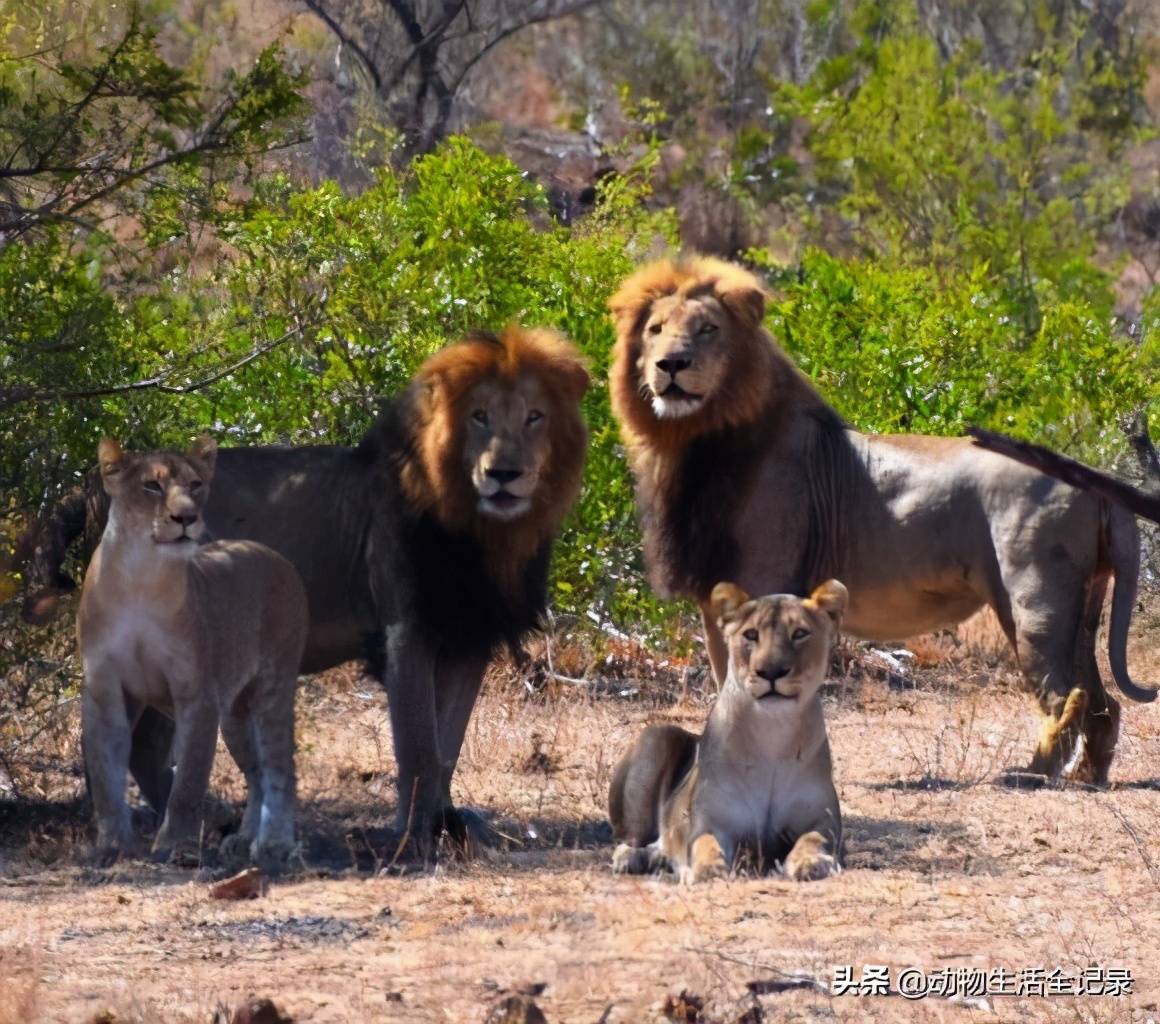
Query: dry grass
945, 868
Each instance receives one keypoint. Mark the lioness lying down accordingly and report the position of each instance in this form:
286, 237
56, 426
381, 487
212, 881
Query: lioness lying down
203, 632
759, 779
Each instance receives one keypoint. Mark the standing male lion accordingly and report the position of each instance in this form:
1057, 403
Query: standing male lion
424, 548
744, 473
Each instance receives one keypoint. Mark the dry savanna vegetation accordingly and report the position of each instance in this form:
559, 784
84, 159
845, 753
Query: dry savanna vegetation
947, 866
258, 218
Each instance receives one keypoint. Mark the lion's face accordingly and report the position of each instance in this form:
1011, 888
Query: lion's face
506, 444
684, 353
691, 355
779, 646
160, 495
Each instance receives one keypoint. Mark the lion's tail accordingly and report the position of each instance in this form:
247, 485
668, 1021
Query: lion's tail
1122, 538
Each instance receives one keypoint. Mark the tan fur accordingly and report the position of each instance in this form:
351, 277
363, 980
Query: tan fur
206, 633
756, 479
758, 781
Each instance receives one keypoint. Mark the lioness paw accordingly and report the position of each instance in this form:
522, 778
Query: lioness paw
707, 861
809, 860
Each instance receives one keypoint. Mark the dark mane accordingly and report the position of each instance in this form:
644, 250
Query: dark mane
688, 526
457, 600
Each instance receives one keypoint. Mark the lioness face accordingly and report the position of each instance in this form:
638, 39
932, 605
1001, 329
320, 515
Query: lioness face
779, 646
683, 353
507, 444
161, 494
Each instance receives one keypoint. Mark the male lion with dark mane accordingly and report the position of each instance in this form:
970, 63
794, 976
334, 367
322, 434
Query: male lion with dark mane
424, 548
744, 473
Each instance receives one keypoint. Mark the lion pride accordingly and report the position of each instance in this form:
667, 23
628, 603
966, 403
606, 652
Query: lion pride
744, 473
423, 549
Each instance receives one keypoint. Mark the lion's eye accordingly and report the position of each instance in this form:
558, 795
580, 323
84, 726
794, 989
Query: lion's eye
654, 329
153, 487
533, 417
480, 417
750, 635
799, 635
706, 328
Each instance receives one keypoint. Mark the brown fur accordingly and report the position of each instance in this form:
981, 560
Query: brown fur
743, 472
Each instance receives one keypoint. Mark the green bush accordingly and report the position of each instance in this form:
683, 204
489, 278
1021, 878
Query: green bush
343, 297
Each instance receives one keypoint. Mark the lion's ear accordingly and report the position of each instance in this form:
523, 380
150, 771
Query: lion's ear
628, 307
831, 597
110, 457
725, 600
204, 449
111, 460
575, 378
746, 301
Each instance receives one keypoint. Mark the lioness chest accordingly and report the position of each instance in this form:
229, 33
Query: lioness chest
759, 799
138, 644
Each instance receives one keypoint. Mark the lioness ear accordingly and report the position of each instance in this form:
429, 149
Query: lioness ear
725, 600
110, 456
744, 301
831, 597
204, 449
111, 460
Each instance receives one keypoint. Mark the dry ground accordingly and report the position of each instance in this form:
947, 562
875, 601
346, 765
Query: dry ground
946, 867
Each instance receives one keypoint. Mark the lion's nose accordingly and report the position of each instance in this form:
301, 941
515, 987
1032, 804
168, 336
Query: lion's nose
673, 366
504, 476
188, 519
772, 673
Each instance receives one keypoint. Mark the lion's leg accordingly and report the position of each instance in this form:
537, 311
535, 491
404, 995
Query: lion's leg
151, 757
106, 739
1059, 730
238, 732
274, 731
410, 685
197, 728
1101, 731
715, 644
1046, 611
1101, 722
457, 687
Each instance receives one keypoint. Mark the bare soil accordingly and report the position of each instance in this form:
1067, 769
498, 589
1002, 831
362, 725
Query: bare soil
946, 867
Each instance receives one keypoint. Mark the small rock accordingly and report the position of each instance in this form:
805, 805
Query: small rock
683, 1009
516, 1009
245, 885
259, 1011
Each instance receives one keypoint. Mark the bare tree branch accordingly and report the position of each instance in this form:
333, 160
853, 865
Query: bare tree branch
17, 396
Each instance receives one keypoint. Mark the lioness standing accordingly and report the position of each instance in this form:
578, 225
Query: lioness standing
759, 779
206, 633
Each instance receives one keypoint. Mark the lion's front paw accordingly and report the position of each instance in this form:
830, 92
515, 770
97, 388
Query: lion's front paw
809, 860
707, 861
635, 860
235, 850
275, 857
